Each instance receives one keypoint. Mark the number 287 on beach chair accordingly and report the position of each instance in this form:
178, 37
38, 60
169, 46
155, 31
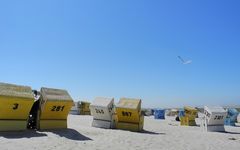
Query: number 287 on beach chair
129, 115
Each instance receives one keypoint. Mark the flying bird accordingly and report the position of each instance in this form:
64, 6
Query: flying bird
185, 62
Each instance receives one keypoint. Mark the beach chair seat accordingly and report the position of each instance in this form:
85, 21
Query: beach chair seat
231, 118
188, 119
55, 105
84, 108
214, 119
159, 113
15, 104
129, 115
102, 112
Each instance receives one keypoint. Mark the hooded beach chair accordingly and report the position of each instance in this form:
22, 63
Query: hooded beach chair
159, 113
188, 119
75, 110
214, 119
181, 114
231, 118
84, 108
55, 105
129, 115
238, 118
15, 104
102, 112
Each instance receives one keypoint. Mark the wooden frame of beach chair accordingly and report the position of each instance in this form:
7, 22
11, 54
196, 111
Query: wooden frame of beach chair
55, 105
129, 115
15, 104
102, 110
214, 119
188, 119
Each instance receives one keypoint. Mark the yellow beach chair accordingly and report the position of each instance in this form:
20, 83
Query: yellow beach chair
84, 108
128, 115
190, 114
55, 105
15, 105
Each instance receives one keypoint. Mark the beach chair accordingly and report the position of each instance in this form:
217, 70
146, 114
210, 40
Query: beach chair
102, 112
15, 104
180, 114
75, 110
55, 105
214, 119
238, 118
159, 113
129, 115
231, 118
188, 119
84, 108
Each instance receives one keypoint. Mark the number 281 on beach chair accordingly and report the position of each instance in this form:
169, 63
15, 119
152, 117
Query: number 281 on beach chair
55, 105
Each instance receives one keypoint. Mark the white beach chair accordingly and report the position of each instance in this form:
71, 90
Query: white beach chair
75, 109
214, 119
238, 118
102, 112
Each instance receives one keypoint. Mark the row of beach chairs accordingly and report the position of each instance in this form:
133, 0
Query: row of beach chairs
126, 115
22, 108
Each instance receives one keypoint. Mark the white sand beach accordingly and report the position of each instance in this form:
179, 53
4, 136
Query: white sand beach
159, 134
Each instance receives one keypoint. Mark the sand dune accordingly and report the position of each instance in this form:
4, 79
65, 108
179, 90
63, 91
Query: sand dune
159, 134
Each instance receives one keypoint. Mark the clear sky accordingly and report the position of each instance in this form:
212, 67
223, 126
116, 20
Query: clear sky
125, 48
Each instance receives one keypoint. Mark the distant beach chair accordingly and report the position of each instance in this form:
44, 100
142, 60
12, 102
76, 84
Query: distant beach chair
231, 118
159, 113
84, 108
102, 110
214, 119
238, 118
15, 104
55, 105
188, 119
75, 110
129, 115
180, 114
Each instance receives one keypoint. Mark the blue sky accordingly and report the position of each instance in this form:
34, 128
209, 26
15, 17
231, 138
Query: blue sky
125, 49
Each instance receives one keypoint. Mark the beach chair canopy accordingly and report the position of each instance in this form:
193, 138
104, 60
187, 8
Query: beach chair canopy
12, 90
190, 111
102, 108
215, 115
102, 102
129, 103
55, 94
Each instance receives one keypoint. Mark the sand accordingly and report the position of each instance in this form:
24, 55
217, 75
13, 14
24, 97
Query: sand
159, 134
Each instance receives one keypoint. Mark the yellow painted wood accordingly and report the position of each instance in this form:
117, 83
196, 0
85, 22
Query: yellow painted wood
53, 124
13, 125
128, 115
15, 107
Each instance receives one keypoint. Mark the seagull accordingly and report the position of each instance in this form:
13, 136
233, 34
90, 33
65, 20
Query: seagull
185, 62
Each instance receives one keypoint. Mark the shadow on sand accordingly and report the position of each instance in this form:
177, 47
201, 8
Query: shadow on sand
153, 133
69, 134
22, 134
